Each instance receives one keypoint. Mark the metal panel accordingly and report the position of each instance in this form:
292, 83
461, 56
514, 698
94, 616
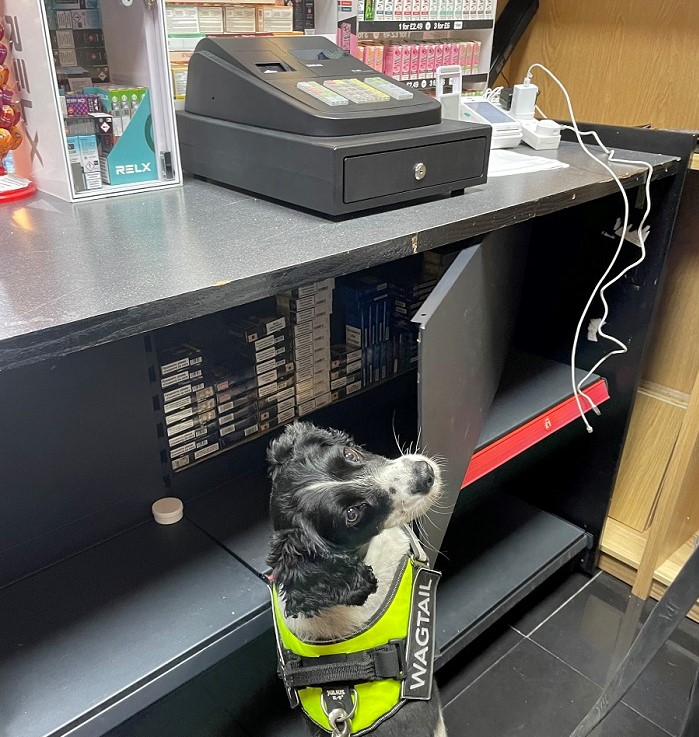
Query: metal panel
464, 333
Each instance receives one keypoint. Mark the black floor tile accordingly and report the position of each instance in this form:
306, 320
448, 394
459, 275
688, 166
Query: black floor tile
593, 632
544, 601
530, 692
475, 659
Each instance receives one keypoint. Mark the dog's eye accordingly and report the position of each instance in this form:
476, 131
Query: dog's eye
352, 515
351, 454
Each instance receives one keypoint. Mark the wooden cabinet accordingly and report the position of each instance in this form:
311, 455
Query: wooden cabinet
653, 520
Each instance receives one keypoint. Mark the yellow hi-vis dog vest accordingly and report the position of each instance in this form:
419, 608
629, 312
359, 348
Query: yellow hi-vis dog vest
406, 619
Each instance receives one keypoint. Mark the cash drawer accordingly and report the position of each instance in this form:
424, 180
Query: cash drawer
412, 169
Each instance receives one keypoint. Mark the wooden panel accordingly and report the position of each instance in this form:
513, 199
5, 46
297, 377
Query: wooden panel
624, 63
673, 355
666, 571
652, 433
621, 551
685, 520
677, 498
623, 543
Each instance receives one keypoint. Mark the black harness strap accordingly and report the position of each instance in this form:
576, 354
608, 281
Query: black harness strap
377, 664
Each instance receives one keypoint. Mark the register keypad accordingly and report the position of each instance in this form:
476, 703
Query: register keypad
392, 90
344, 91
356, 91
322, 93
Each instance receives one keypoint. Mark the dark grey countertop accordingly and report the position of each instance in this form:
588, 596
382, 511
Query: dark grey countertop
75, 276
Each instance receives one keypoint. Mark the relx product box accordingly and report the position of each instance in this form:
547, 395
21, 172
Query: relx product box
120, 41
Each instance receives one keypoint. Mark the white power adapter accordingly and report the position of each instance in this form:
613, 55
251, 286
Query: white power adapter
541, 134
523, 101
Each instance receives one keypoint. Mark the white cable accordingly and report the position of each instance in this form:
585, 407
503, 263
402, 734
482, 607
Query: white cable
492, 95
642, 247
600, 286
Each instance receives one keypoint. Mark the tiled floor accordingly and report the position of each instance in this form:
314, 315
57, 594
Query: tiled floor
535, 674
544, 667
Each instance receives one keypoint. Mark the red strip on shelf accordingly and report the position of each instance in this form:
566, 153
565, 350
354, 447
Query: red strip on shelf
489, 458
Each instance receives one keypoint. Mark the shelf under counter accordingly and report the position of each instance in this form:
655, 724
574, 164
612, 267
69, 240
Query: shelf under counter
532, 390
99, 636
95, 638
505, 549
534, 400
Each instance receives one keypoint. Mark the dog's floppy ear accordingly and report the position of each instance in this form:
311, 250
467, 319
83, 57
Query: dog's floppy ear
281, 449
312, 576
296, 437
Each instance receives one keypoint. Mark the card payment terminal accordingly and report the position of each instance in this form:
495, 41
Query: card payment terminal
298, 119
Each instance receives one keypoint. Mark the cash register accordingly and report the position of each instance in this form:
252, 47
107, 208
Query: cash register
298, 119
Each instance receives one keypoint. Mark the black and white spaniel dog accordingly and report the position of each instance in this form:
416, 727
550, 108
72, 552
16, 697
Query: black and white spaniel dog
338, 513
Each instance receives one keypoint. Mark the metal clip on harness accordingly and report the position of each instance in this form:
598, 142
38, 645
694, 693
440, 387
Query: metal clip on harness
340, 721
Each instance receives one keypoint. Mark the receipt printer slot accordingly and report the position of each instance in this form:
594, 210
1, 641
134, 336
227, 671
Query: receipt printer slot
272, 67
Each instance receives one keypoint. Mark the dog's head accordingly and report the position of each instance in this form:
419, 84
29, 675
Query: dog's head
329, 499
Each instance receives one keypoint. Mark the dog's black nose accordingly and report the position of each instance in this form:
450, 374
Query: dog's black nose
424, 477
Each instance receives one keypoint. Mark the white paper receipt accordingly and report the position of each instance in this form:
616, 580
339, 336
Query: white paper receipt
504, 162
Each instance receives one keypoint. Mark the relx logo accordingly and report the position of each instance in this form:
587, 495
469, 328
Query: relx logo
23, 85
421, 635
132, 168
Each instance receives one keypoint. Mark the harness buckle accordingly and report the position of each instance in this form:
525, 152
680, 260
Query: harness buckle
390, 660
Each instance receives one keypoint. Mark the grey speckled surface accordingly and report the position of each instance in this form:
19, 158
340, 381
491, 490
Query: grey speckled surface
73, 276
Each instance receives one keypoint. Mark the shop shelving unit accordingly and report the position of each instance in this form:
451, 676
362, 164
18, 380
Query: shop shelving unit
103, 611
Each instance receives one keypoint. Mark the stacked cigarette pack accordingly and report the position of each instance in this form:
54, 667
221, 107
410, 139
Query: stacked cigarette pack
364, 308
345, 371
435, 263
188, 404
307, 310
210, 404
262, 346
